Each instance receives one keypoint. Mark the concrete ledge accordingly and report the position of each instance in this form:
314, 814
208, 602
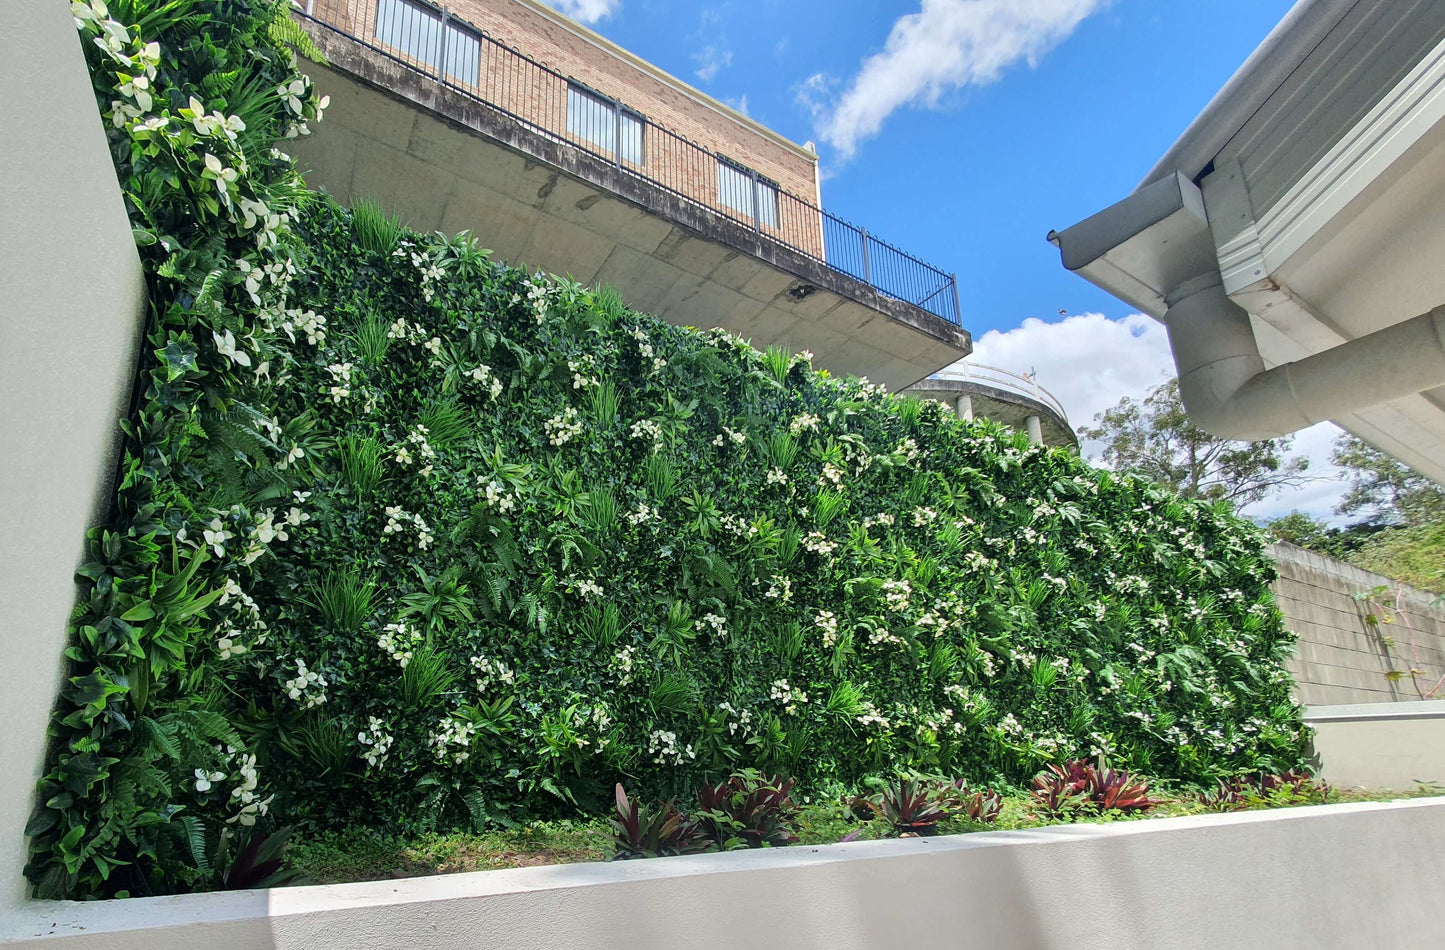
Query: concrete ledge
1380, 745
1303, 877
1376, 712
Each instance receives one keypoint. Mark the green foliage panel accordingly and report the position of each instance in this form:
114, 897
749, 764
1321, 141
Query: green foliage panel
410, 539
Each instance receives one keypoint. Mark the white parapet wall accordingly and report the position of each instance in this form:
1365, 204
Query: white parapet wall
72, 296
1368, 875
1380, 745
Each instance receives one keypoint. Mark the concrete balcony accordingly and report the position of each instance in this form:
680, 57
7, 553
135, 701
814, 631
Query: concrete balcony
496, 154
978, 391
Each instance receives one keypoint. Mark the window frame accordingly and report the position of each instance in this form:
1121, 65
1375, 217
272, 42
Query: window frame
613, 109
767, 215
427, 50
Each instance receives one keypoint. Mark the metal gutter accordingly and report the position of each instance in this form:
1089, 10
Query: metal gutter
1301, 31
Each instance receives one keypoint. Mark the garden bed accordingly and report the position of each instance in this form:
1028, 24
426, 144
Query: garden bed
363, 855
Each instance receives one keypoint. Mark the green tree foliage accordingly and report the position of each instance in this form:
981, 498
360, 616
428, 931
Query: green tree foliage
1154, 439
1299, 528
1384, 489
537, 543
1402, 533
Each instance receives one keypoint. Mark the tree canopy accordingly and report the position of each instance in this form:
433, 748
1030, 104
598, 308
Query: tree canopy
1154, 439
1384, 489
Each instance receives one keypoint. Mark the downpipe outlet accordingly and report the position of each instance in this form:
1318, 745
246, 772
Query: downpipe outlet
1227, 390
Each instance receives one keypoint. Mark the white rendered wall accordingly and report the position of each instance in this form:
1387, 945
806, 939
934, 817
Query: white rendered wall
1366, 876
1380, 745
71, 303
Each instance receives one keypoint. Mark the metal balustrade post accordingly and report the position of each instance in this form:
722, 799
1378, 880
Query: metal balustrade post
867, 268
617, 131
757, 206
442, 55
957, 307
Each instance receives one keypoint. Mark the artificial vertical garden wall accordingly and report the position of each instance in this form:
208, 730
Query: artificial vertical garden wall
408, 538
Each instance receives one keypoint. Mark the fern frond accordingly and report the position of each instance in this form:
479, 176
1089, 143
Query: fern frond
286, 31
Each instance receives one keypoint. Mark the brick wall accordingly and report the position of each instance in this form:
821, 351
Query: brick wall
1343, 658
686, 117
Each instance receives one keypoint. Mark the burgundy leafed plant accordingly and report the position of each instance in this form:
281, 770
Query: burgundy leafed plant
652, 832
981, 807
1079, 787
261, 862
861, 807
914, 807
1249, 791
750, 808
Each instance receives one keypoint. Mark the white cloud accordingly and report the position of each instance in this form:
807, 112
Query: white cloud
586, 11
711, 60
947, 45
1090, 362
740, 104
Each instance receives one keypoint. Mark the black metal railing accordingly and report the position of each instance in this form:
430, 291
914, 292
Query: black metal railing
433, 41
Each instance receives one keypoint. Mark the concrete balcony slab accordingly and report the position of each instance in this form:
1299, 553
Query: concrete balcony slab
447, 161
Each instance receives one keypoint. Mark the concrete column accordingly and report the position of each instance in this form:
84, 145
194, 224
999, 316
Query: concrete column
964, 405
69, 327
1036, 431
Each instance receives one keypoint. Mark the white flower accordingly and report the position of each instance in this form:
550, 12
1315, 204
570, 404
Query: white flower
217, 536
828, 623
219, 173
205, 779
818, 543
564, 427
716, 622
805, 421
291, 94
646, 429
226, 346
496, 494
896, 593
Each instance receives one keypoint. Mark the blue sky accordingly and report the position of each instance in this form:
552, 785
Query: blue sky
964, 130
973, 182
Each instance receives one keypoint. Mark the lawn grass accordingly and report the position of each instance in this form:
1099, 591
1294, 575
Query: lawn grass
363, 855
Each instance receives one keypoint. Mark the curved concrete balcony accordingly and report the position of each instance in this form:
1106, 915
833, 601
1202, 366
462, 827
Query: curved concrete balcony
976, 390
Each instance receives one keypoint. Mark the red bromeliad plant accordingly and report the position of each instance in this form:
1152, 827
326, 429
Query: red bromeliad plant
749, 809
260, 862
1250, 791
652, 832
981, 807
1079, 787
915, 807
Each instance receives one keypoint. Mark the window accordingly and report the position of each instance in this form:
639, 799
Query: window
593, 118
416, 33
735, 189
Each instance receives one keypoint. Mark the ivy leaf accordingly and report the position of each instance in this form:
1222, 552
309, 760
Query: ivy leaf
179, 358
